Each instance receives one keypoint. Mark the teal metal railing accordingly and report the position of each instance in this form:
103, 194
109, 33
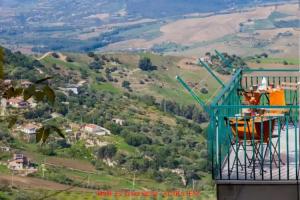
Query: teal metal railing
260, 146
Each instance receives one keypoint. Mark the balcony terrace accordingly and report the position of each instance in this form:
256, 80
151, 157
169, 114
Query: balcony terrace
253, 136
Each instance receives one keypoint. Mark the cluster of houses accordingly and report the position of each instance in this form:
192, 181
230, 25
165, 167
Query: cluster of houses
21, 164
17, 102
75, 132
88, 132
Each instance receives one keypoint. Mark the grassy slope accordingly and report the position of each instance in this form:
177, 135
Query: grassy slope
163, 84
290, 61
118, 178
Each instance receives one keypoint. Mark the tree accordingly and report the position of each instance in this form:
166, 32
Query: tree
135, 139
145, 64
126, 84
264, 55
55, 55
95, 65
91, 54
107, 151
69, 59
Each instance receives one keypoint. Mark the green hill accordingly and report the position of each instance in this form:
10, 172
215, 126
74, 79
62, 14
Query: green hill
161, 143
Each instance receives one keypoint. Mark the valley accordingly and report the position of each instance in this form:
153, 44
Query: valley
101, 76
235, 27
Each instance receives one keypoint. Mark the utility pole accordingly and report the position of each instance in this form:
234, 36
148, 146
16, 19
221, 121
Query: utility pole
133, 184
88, 180
43, 167
193, 184
12, 179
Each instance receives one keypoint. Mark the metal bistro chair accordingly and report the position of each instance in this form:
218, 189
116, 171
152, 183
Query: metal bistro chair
277, 98
237, 141
249, 97
293, 87
254, 136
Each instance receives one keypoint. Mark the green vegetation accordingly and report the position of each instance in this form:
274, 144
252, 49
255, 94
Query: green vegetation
290, 61
161, 133
39, 90
146, 64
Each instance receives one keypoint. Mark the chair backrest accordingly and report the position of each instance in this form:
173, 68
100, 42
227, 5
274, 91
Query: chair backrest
252, 98
277, 98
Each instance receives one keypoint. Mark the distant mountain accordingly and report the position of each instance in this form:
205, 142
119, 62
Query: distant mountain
85, 25
159, 8
144, 8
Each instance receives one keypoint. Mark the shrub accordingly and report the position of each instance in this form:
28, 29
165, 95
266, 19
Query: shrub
204, 90
95, 65
135, 139
91, 54
69, 59
55, 55
107, 151
126, 84
145, 64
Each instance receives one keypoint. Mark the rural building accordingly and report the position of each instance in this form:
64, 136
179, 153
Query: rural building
70, 88
4, 148
206, 59
7, 82
95, 129
19, 162
26, 83
17, 102
29, 128
118, 121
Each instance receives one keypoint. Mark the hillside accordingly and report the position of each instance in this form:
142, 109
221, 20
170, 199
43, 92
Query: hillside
161, 143
162, 147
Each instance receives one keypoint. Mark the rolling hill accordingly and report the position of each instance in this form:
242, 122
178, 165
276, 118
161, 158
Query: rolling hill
173, 27
162, 143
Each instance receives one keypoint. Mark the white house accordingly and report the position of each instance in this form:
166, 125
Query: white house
4, 148
19, 162
70, 87
95, 129
118, 121
29, 128
17, 103
206, 59
26, 83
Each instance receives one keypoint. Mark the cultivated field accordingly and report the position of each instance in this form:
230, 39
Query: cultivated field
222, 31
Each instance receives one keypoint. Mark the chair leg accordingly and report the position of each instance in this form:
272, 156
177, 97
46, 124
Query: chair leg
258, 156
236, 160
276, 153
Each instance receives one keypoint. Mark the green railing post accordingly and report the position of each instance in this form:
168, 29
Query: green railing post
224, 60
194, 95
211, 72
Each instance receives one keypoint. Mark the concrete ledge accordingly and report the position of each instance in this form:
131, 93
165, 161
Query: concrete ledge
257, 182
256, 191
